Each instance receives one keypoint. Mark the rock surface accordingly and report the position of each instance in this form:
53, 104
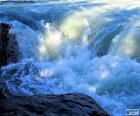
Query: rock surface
8, 45
72, 104
2, 95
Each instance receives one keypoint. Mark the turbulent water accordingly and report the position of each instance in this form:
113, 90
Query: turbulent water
80, 46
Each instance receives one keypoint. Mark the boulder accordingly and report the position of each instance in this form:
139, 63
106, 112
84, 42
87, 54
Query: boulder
8, 45
72, 104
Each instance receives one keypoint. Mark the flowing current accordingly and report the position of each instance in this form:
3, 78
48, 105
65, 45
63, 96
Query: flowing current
92, 47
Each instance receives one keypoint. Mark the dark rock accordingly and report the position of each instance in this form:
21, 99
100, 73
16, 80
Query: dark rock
2, 95
8, 45
73, 104
17, 1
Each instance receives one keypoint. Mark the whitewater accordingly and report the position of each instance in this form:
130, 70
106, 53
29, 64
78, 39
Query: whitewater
90, 47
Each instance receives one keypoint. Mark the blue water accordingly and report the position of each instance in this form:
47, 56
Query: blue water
83, 46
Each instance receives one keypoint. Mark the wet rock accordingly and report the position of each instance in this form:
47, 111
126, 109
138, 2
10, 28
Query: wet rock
17, 2
73, 104
2, 95
8, 45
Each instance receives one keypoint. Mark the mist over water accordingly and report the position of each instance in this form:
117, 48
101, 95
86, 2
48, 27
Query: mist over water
76, 46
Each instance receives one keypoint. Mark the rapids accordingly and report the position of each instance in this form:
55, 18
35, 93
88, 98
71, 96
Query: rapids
76, 46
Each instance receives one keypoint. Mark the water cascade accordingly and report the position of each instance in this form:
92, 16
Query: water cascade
90, 47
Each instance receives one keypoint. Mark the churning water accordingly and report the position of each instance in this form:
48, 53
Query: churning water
81, 46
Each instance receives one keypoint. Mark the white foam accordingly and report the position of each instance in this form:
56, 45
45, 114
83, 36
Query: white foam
58, 55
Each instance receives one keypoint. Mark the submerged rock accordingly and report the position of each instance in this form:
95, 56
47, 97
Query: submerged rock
73, 104
8, 45
14, 76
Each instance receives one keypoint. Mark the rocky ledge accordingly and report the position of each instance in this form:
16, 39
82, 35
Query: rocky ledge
72, 104
8, 45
